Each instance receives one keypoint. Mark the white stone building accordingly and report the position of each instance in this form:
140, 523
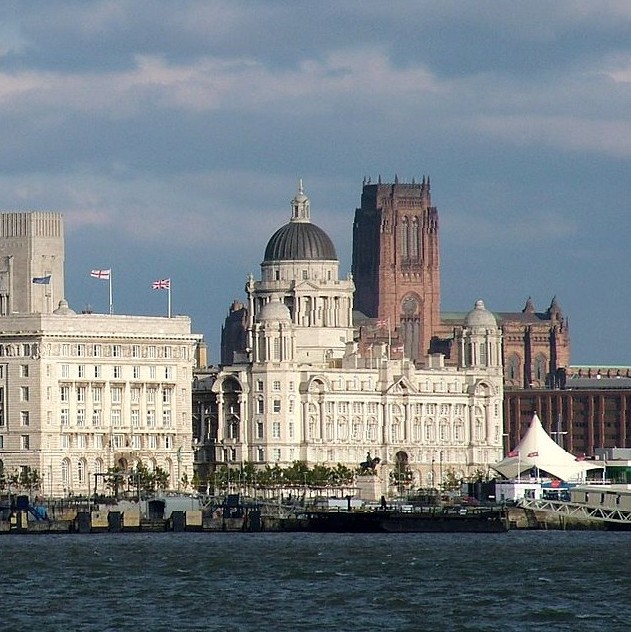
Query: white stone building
307, 390
80, 393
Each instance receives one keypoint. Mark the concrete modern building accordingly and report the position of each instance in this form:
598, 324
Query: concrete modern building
82, 393
306, 387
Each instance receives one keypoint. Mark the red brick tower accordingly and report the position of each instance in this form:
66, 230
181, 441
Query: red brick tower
396, 264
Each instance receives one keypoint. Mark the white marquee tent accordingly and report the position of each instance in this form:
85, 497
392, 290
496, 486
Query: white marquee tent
537, 450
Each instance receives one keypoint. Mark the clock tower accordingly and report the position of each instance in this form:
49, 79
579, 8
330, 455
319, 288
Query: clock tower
396, 265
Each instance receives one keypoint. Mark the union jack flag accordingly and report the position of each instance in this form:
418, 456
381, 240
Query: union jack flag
383, 322
162, 284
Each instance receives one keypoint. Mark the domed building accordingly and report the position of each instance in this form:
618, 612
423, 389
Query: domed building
307, 387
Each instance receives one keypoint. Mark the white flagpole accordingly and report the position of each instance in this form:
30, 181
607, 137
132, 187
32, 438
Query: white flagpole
111, 302
169, 299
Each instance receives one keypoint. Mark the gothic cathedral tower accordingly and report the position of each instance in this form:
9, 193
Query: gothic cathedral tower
396, 264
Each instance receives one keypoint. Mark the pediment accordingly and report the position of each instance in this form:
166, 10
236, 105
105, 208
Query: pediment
401, 386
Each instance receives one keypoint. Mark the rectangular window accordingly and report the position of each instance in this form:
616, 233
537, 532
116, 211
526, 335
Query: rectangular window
260, 406
116, 393
98, 441
166, 418
152, 372
291, 405
151, 396
276, 385
168, 372
24, 370
259, 385
259, 430
168, 442
81, 391
151, 418
135, 442
64, 416
65, 370
166, 396
118, 441
134, 395
80, 417
115, 417
24, 418
96, 394
97, 418
97, 351
168, 353
65, 350
136, 372
290, 429
117, 351
97, 371
81, 441
276, 406
1, 442
81, 370
64, 442
151, 351
276, 454
24, 393
135, 351
64, 393
80, 350
152, 442
276, 430
24, 440
117, 372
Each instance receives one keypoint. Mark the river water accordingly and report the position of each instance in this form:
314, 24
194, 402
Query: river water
521, 580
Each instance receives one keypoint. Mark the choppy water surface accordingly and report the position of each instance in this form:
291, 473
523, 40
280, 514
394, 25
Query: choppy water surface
173, 581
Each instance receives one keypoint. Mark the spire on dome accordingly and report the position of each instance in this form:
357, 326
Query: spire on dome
300, 211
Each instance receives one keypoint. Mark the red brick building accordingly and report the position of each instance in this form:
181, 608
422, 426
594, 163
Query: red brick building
396, 269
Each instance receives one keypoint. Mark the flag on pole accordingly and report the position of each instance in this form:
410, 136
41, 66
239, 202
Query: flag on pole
162, 284
383, 322
105, 275
533, 453
513, 453
43, 280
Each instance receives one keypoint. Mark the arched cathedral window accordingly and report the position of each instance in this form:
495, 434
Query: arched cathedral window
405, 229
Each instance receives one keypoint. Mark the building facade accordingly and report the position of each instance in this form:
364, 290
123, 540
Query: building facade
396, 270
82, 393
307, 388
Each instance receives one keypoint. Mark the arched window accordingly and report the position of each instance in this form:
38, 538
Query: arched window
404, 237
540, 368
81, 472
414, 237
65, 472
512, 368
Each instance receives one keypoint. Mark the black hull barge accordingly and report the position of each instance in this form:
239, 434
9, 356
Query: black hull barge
429, 520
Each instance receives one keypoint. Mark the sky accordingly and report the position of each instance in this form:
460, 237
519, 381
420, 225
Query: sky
171, 135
